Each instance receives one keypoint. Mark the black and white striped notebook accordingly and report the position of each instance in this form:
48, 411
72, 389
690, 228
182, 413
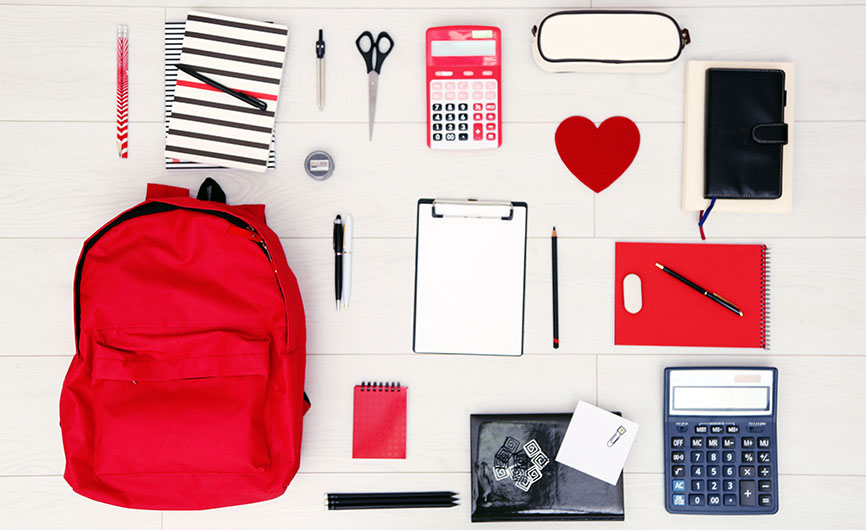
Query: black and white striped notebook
207, 126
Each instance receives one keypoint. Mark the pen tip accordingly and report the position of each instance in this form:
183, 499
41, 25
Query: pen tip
659, 265
741, 313
338, 305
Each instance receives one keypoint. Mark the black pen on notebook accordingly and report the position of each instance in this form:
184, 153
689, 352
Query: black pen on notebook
246, 98
554, 259
338, 259
712, 296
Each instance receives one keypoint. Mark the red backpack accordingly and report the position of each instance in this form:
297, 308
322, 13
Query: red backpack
186, 389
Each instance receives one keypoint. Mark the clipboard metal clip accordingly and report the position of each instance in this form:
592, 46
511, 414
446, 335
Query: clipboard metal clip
473, 209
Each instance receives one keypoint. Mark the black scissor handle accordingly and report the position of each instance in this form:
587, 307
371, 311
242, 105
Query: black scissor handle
369, 44
380, 54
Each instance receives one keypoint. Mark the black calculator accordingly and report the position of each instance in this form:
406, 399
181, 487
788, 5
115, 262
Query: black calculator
720, 441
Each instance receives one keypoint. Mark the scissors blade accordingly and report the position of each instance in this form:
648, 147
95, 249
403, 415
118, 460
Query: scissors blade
374, 87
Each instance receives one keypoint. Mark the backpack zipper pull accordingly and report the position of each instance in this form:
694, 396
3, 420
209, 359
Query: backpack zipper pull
250, 233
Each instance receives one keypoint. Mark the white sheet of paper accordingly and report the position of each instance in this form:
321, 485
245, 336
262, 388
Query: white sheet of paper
585, 446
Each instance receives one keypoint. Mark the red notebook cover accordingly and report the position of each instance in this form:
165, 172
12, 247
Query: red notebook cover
379, 429
674, 314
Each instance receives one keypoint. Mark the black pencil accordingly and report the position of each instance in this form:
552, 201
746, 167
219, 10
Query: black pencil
390, 506
554, 259
388, 500
394, 494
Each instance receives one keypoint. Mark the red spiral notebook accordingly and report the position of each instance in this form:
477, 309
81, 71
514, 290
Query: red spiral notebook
673, 314
379, 429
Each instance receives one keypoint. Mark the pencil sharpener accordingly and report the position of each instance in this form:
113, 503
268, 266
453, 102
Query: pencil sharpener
319, 165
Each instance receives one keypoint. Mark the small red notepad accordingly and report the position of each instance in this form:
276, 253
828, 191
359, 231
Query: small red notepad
672, 314
379, 429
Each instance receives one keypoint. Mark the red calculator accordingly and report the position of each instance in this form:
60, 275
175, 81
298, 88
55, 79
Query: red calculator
464, 79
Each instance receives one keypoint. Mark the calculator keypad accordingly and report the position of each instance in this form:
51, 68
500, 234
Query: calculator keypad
729, 468
476, 112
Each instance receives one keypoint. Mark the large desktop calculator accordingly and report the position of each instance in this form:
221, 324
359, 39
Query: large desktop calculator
720, 441
464, 104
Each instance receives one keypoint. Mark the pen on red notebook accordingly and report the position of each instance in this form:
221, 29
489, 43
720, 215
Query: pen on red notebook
122, 91
712, 296
554, 259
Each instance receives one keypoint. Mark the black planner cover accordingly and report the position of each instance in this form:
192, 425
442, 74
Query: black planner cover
745, 133
515, 476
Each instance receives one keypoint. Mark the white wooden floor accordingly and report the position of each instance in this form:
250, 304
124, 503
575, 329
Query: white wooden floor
60, 179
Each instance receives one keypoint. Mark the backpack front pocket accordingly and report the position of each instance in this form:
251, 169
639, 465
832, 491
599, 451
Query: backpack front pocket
179, 401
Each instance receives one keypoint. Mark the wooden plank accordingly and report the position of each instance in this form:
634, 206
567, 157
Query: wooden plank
817, 395
815, 285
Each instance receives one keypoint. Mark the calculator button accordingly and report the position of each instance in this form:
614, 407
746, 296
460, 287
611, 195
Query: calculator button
491, 136
437, 137
697, 442
449, 85
490, 116
747, 471
696, 499
463, 85
697, 457
449, 117
733, 429
713, 471
730, 500
490, 85
679, 499
714, 485
712, 443
490, 95
747, 443
477, 85
765, 485
676, 456
462, 95
756, 428
729, 485
729, 471
682, 427
437, 126
477, 95
714, 500
715, 429
729, 442
463, 137
763, 443
713, 457
677, 442
487, 72
477, 116
697, 485
463, 117
449, 126
764, 457
437, 85
477, 106
765, 500
697, 471
747, 458
700, 429
747, 493
437, 117
477, 134
449, 95
462, 107
764, 471
678, 471
449, 107
491, 126
490, 106
728, 457
463, 127
437, 107
436, 95
678, 485
449, 137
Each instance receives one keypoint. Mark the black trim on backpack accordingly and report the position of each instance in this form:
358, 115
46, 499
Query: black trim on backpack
211, 191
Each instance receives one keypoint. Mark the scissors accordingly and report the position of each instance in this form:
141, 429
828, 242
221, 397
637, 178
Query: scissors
367, 46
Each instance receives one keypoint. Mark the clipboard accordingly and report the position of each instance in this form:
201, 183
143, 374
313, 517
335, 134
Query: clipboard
470, 277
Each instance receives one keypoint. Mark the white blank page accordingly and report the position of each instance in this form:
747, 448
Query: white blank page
469, 279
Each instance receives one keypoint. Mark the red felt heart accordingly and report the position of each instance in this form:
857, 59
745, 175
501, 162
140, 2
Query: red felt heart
597, 156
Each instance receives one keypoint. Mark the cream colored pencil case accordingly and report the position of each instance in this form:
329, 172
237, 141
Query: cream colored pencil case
608, 41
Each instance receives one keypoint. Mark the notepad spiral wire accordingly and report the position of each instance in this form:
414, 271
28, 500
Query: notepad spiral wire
380, 387
765, 298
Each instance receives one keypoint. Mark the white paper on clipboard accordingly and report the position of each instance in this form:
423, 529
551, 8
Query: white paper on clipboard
470, 268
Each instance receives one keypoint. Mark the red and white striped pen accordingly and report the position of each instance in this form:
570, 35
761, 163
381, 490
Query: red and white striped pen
122, 90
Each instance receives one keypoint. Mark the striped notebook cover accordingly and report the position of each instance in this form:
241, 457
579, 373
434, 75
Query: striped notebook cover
173, 45
208, 126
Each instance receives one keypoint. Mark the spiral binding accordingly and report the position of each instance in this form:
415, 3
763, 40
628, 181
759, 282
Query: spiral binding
380, 387
765, 298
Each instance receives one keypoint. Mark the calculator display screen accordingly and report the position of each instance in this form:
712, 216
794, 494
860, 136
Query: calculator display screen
462, 48
721, 398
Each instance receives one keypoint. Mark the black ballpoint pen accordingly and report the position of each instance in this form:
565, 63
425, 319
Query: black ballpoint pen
338, 259
712, 296
246, 98
554, 259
